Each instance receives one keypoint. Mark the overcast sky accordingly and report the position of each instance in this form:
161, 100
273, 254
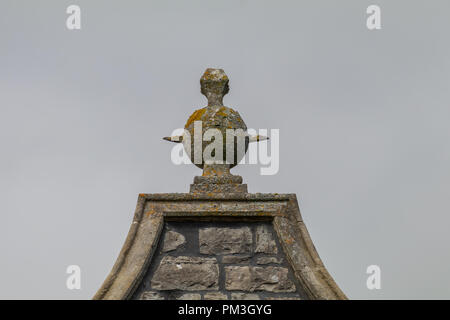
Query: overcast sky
363, 119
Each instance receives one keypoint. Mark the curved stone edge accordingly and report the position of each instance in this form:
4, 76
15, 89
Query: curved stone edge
134, 256
302, 255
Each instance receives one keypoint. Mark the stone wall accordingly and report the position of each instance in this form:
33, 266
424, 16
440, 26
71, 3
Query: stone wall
218, 261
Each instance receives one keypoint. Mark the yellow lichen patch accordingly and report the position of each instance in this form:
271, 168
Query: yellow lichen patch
212, 74
222, 112
289, 241
196, 116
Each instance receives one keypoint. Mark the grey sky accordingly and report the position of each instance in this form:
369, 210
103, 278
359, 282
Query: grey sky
363, 118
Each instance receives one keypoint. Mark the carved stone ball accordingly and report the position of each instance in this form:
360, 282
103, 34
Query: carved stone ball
221, 118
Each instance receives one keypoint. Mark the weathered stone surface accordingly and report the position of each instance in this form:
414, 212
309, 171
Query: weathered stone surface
244, 296
268, 260
173, 240
272, 279
215, 296
186, 273
190, 296
151, 295
225, 240
264, 241
236, 259
284, 298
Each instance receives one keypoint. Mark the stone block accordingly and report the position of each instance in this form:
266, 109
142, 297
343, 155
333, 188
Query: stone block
151, 295
236, 259
268, 260
244, 296
215, 296
172, 240
190, 296
225, 240
264, 241
245, 278
186, 273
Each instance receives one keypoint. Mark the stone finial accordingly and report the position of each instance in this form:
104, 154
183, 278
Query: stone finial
214, 85
216, 174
